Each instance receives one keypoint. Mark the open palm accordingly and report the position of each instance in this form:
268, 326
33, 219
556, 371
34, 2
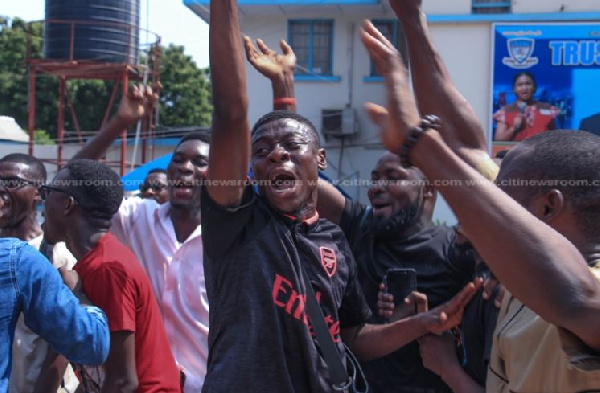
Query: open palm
268, 62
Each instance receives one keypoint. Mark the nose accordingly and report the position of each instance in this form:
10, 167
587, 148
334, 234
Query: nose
279, 154
377, 186
186, 167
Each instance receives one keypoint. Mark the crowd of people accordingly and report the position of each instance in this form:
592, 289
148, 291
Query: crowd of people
112, 294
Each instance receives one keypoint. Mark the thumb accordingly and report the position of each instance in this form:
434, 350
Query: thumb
377, 113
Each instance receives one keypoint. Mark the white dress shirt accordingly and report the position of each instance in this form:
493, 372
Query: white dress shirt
177, 274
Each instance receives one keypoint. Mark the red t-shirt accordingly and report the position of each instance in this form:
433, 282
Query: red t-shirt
114, 280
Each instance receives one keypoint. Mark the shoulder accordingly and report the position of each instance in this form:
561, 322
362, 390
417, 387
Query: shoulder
135, 205
11, 243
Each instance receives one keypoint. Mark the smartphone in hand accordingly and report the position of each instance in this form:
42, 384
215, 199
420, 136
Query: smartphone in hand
400, 283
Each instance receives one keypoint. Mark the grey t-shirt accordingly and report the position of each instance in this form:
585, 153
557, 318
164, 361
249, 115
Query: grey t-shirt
260, 339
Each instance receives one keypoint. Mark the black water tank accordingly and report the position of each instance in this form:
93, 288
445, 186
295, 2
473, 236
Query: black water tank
115, 39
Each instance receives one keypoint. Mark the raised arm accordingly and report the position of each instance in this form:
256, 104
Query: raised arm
132, 108
278, 68
433, 87
230, 145
569, 295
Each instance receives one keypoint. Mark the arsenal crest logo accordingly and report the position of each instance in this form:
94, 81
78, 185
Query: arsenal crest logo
329, 261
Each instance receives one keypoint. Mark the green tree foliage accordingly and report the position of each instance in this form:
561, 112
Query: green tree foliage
41, 137
185, 97
14, 76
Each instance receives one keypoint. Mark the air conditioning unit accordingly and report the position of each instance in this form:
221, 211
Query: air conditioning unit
338, 122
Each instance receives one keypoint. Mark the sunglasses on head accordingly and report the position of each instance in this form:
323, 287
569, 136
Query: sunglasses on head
15, 183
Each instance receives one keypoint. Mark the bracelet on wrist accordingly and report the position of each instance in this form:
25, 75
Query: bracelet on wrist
284, 101
428, 122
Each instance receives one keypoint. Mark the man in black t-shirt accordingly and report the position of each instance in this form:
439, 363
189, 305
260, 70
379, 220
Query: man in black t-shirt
397, 232
257, 246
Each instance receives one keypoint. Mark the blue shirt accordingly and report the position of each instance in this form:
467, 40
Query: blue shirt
31, 285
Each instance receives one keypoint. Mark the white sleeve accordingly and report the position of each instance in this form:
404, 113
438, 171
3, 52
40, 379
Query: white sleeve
124, 219
62, 257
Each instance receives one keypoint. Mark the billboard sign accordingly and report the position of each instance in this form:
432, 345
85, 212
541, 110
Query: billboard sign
544, 77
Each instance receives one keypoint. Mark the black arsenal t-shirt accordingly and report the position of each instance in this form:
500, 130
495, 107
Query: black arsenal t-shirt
260, 338
442, 270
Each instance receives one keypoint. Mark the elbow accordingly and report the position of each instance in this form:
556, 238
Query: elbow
581, 315
129, 384
121, 384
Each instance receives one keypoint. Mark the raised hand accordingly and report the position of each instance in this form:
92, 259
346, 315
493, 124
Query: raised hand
401, 111
137, 103
268, 62
449, 314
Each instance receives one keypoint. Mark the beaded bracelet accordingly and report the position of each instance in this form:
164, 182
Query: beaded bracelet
428, 122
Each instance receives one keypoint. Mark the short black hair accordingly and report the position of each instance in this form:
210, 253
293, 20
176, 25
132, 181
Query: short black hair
95, 187
527, 74
194, 136
281, 114
38, 170
565, 160
157, 170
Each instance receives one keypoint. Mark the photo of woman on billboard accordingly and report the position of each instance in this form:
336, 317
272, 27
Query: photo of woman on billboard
526, 117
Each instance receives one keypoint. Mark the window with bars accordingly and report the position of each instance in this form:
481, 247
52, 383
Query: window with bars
393, 32
312, 41
491, 6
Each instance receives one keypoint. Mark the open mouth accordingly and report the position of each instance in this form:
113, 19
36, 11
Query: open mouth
282, 181
381, 208
183, 188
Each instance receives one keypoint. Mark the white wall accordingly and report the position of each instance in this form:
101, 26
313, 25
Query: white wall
464, 47
447, 6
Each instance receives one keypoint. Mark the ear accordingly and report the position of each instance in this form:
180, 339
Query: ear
552, 205
69, 206
322, 159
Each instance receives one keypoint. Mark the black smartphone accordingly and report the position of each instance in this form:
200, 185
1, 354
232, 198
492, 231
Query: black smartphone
400, 283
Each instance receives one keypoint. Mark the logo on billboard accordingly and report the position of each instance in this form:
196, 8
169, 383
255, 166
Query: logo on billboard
520, 51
